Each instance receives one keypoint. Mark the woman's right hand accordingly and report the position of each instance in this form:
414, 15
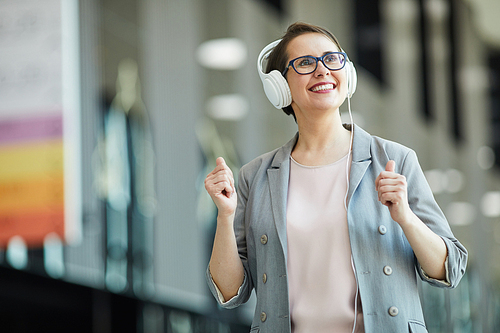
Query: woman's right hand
220, 186
225, 263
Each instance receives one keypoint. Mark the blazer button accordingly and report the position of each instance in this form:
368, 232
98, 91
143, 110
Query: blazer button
387, 270
263, 239
382, 229
263, 316
264, 278
393, 311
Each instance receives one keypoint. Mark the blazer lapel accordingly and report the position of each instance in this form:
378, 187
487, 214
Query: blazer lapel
278, 175
361, 159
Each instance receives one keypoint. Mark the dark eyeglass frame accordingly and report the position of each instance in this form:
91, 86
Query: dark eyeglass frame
290, 63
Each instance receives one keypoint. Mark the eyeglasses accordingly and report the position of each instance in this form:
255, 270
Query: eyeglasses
308, 64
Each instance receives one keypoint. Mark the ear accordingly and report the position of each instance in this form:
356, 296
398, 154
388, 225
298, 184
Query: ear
352, 78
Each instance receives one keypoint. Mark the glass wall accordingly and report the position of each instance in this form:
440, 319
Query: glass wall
153, 113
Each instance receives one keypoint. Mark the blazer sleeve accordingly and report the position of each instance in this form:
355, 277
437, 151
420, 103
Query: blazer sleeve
423, 204
245, 289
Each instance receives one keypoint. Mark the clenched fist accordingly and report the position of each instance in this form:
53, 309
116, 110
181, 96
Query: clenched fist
220, 186
392, 192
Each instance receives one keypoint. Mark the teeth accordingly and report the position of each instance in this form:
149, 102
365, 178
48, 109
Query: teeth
323, 87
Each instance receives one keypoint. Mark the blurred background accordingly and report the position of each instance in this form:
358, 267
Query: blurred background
112, 112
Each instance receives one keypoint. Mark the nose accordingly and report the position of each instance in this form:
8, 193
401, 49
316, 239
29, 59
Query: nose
321, 69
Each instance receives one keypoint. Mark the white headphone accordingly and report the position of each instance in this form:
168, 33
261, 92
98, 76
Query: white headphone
276, 87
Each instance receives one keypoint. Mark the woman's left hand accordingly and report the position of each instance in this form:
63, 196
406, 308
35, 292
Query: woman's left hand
429, 248
392, 192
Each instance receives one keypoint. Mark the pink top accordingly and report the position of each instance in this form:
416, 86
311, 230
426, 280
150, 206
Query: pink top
322, 286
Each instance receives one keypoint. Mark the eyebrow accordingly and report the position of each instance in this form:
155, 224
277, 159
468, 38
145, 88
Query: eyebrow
326, 52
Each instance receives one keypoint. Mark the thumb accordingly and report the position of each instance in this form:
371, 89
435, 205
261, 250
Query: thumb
390, 166
220, 161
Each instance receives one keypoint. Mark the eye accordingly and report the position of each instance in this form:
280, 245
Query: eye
304, 62
332, 58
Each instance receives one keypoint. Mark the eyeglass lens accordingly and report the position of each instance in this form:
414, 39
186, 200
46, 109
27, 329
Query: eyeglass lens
307, 64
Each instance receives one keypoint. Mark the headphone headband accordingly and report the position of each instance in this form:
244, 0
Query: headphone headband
275, 85
264, 54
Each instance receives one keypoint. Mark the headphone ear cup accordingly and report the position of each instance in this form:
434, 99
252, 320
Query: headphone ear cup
277, 89
352, 78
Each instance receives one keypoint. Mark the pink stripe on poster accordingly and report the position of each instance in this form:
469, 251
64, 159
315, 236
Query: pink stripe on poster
30, 129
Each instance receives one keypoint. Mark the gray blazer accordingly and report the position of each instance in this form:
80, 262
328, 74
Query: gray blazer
384, 261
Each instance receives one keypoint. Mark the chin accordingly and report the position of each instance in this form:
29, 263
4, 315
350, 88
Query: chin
330, 105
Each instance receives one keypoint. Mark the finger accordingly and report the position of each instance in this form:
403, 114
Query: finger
227, 169
377, 182
390, 166
220, 189
227, 172
387, 197
391, 198
390, 178
387, 194
391, 186
396, 180
220, 161
221, 170
381, 179
217, 179
384, 201
225, 190
223, 181
221, 167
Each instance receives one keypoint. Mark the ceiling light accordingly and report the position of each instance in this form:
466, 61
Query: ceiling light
485, 157
490, 204
460, 213
222, 53
228, 107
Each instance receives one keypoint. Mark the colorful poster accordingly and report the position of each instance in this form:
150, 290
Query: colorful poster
35, 118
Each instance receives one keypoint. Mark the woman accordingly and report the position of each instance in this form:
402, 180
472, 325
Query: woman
330, 228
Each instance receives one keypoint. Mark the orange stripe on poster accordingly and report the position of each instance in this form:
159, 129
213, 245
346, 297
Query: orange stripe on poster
32, 226
31, 191
31, 194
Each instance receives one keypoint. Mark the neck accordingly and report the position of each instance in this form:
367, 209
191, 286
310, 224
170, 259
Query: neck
322, 140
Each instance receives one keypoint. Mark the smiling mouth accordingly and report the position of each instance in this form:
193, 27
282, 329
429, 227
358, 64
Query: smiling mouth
328, 86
